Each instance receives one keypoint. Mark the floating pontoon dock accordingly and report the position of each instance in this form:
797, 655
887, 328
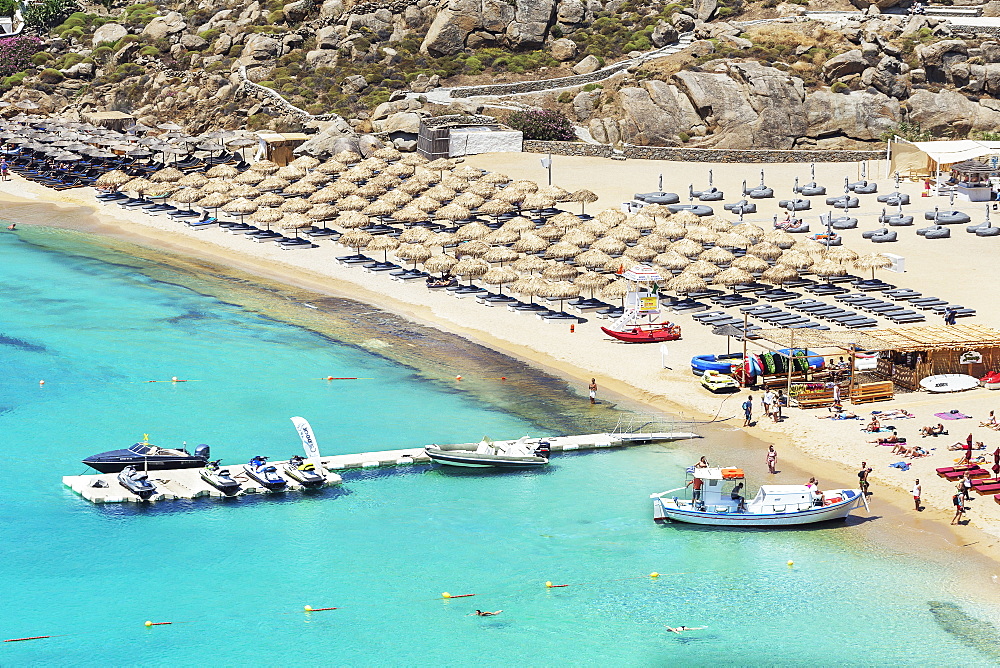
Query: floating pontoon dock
187, 483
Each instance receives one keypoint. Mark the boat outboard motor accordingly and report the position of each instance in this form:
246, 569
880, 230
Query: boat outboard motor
543, 449
202, 451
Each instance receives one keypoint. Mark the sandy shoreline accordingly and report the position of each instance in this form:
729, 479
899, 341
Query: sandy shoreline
832, 451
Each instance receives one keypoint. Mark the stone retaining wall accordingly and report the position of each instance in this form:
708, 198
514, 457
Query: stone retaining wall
683, 154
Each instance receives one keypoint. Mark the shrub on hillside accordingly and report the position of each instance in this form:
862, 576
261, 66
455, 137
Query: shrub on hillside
542, 124
49, 12
16, 53
7, 7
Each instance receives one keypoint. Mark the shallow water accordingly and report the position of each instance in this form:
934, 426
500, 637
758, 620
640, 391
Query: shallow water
97, 322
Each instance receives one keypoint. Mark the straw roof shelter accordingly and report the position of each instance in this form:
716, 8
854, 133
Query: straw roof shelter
765, 250
196, 179
474, 248
592, 258
751, 263
414, 253
530, 263
269, 199
501, 254
266, 216
718, 256
733, 276
688, 247
296, 206
609, 245
352, 220
701, 268
611, 216
502, 236
639, 253
265, 167
356, 239
779, 274
616, 290
872, 261
686, 283
530, 243
440, 262
563, 250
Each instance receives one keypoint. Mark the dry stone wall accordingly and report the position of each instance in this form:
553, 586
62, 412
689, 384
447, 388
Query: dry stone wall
682, 154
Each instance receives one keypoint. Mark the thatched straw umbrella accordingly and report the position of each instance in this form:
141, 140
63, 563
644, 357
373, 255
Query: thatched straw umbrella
440, 262
398, 198
537, 202
266, 216
384, 243
112, 179
611, 217
610, 245
454, 212
410, 214
779, 274
305, 162
425, 203
241, 206
301, 188
564, 219
290, 172
688, 247
473, 230
579, 237
808, 246
702, 268
703, 235
499, 276
495, 178
166, 175
352, 220
616, 265
356, 239
471, 267
733, 276
316, 178
441, 193
584, 197
412, 252
187, 196
249, 177
841, 254
324, 195
496, 208
323, 212
296, 206
272, 183
752, 232
413, 159
591, 280
765, 250
751, 263
469, 200
137, 185
719, 256
269, 199
214, 201
872, 261
196, 179
779, 238
555, 192
828, 268
639, 253
686, 218
222, 172
795, 259
511, 195
530, 243
265, 167
640, 222
351, 203
562, 250
717, 224
733, 240
528, 285
671, 260
295, 221
501, 254
686, 283
525, 185
472, 248
530, 264
624, 233
442, 239
347, 157
561, 290
243, 190
332, 167
502, 236
550, 232
379, 209
671, 230
415, 235
519, 224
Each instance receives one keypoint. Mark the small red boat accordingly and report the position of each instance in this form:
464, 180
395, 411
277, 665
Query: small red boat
664, 331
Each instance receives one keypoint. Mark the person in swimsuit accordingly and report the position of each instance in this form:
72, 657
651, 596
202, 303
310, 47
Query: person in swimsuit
483, 613
593, 390
681, 629
772, 459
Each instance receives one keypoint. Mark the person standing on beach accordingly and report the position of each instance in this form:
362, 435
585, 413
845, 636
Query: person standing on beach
748, 410
780, 401
767, 401
966, 486
949, 317
959, 507
863, 477
772, 459
593, 390
916, 494
4, 170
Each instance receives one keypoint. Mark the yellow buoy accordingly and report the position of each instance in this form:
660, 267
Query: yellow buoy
791, 563
654, 574
548, 584
148, 623
308, 608
445, 595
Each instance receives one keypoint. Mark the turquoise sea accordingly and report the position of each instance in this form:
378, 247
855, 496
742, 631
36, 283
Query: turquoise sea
97, 320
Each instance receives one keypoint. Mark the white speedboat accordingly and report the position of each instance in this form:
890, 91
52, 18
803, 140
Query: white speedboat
714, 497
521, 454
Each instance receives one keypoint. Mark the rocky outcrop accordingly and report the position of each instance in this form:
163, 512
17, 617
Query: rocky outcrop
656, 114
515, 24
861, 115
109, 33
949, 113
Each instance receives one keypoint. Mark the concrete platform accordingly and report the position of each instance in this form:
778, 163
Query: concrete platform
175, 484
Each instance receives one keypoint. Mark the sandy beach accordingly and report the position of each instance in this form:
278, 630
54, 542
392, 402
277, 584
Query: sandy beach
831, 450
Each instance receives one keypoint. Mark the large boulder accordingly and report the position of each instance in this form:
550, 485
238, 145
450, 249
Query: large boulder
951, 113
563, 49
656, 114
860, 115
664, 34
327, 37
939, 58
706, 9
587, 65
888, 77
329, 140
584, 104
171, 23
407, 121
850, 62
605, 130
450, 27
531, 21
109, 33
260, 47
571, 12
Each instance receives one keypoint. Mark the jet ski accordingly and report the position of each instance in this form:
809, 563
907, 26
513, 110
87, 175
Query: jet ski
136, 482
266, 474
219, 478
298, 469
148, 457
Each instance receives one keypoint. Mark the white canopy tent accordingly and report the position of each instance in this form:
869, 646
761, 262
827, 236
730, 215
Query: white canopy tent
925, 158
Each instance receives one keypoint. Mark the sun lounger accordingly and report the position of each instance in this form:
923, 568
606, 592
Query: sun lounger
860, 324
690, 306
975, 472
709, 315
808, 301
202, 223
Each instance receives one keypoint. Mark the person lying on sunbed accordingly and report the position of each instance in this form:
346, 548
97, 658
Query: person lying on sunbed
839, 416
894, 414
933, 431
991, 422
962, 445
889, 439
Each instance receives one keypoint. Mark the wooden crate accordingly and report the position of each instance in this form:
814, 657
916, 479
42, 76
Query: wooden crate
815, 399
868, 392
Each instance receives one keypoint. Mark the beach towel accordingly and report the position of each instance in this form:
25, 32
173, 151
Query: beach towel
879, 431
953, 416
902, 466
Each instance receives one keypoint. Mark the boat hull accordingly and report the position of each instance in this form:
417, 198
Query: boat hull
112, 462
663, 509
639, 335
474, 460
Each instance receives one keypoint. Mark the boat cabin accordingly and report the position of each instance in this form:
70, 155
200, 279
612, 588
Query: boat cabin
782, 498
716, 488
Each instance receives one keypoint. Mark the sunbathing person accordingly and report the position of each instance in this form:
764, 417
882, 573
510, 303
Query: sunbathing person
874, 425
889, 439
681, 629
933, 431
991, 422
843, 415
962, 445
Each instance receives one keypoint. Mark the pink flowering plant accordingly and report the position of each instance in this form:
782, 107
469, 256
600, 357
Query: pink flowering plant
16, 53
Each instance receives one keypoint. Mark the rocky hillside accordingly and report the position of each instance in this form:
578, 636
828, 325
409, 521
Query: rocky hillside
344, 66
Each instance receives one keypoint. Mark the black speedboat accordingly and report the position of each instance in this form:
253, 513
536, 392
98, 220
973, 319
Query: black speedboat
266, 474
220, 478
136, 482
148, 458
303, 472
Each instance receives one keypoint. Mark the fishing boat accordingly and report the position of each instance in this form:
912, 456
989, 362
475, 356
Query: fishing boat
653, 333
714, 497
524, 453
148, 457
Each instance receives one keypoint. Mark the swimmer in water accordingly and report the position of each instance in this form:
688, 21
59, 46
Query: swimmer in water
483, 613
681, 629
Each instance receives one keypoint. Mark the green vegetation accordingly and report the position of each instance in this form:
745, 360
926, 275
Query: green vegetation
839, 87
908, 131
49, 12
7, 7
51, 76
